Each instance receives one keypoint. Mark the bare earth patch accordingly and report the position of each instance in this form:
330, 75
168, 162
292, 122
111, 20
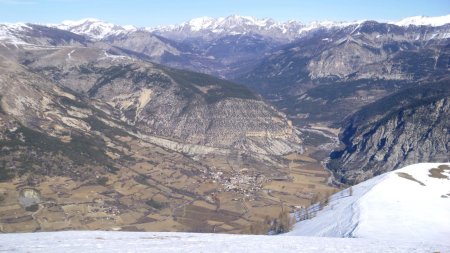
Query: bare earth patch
438, 172
409, 177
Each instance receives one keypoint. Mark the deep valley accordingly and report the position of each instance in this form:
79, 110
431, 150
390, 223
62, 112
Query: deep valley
216, 128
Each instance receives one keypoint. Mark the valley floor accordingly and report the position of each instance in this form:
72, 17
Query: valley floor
100, 241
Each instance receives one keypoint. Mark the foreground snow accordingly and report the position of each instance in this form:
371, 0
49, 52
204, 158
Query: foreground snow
98, 241
388, 207
401, 211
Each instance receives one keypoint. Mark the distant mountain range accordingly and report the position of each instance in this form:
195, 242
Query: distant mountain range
301, 68
227, 47
231, 25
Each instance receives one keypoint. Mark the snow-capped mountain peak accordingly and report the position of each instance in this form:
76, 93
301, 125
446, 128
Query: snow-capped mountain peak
209, 27
292, 29
200, 23
328, 25
94, 28
72, 23
231, 25
232, 21
423, 20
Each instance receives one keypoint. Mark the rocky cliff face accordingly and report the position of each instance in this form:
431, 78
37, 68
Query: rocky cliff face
180, 105
359, 51
44, 128
334, 76
408, 127
328, 74
384, 51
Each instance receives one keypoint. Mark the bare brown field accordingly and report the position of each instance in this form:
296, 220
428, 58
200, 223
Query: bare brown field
167, 191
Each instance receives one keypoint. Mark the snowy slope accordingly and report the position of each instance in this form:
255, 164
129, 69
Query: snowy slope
422, 20
98, 241
93, 28
231, 25
10, 33
234, 23
388, 207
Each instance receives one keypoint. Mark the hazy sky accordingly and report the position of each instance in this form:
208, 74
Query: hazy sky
163, 12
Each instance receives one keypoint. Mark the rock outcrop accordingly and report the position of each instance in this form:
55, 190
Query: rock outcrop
406, 128
183, 106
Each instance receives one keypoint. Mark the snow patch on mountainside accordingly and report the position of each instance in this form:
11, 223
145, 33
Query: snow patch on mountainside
235, 24
9, 33
328, 25
409, 204
94, 28
231, 25
423, 20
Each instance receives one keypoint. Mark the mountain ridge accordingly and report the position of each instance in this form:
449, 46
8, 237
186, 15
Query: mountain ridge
231, 25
